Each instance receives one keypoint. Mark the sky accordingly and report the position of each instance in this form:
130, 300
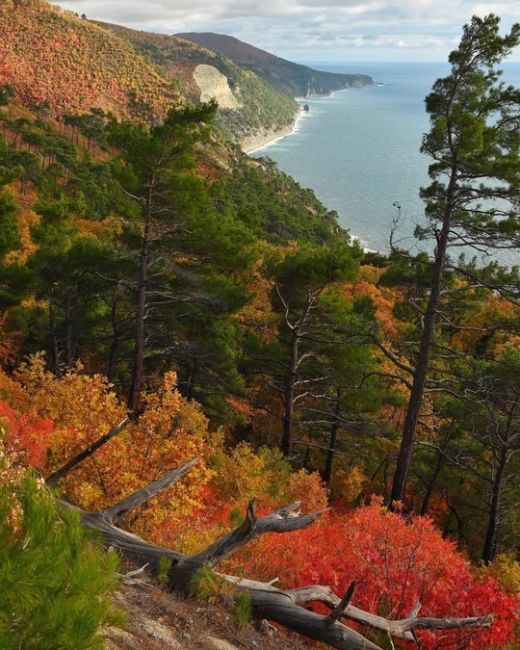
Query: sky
313, 30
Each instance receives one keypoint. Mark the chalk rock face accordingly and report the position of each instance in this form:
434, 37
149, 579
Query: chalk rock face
214, 85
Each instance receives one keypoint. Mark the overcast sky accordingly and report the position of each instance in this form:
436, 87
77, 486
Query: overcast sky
313, 30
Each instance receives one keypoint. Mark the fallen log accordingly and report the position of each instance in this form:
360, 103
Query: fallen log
286, 607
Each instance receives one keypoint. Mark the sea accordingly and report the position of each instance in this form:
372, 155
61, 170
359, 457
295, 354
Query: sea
359, 149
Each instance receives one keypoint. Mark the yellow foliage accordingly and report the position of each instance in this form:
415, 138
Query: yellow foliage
384, 300
347, 484
26, 219
170, 432
309, 489
264, 475
506, 571
244, 474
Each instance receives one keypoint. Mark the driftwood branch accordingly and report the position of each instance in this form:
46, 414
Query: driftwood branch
126, 542
286, 607
399, 628
88, 451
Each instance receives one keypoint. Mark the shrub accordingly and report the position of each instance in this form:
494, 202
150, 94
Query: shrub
55, 582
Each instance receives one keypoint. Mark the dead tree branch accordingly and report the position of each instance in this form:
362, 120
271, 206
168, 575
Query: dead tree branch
76, 460
286, 607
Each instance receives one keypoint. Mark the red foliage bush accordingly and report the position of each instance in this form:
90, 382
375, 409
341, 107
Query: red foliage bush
28, 439
396, 563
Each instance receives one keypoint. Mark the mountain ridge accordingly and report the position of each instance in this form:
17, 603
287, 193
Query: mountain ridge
252, 104
300, 80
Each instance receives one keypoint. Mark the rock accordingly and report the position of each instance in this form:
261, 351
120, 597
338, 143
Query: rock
214, 85
115, 636
160, 633
220, 644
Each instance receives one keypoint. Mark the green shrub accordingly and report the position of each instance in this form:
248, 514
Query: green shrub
55, 580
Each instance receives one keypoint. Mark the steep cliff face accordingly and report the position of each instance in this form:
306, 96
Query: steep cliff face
214, 85
46, 52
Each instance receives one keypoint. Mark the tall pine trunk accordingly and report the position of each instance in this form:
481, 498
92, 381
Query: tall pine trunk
290, 382
489, 550
329, 462
404, 459
136, 386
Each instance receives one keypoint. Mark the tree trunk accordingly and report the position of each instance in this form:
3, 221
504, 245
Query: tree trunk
69, 351
490, 542
114, 344
327, 473
190, 380
136, 386
56, 476
431, 485
404, 459
288, 413
287, 607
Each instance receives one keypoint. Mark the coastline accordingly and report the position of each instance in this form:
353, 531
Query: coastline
260, 140
252, 144
264, 140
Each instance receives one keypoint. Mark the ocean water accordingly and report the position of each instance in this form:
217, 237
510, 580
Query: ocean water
359, 149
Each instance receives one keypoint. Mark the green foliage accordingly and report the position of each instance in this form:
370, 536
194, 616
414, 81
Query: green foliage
242, 612
475, 133
6, 94
9, 230
293, 78
55, 580
206, 584
274, 206
163, 570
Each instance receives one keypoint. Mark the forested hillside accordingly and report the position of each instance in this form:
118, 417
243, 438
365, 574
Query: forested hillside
60, 63
195, 355
260, 106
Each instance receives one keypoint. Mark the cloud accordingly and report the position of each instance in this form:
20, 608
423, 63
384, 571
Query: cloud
312, 29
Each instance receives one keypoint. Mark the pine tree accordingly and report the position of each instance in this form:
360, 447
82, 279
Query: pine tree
56, 582
474, 143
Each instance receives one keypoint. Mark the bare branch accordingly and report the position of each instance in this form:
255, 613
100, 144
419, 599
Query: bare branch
76, 460
146, 493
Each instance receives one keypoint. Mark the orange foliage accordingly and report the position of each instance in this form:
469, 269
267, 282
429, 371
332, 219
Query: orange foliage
486, 314
170, 432
44, 53
9, 343
26, 440
395, 561
26, 219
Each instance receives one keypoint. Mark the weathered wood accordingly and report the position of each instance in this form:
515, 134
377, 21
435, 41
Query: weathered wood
88, 451
142, 496
340, 608
286, 607
399, 628
128, 543
282, 521
276, 606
